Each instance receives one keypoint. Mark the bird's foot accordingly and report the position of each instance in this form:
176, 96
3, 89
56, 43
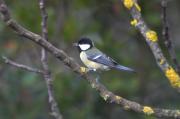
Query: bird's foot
83, 70
86, 70
97, 78
91, 70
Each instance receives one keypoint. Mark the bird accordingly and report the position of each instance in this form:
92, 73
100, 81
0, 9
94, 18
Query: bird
94, 59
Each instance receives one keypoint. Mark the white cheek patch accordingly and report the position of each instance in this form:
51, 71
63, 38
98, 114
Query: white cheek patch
84, 46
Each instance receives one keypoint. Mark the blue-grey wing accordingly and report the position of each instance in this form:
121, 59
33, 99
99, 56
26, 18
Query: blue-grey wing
102, 59
105, 60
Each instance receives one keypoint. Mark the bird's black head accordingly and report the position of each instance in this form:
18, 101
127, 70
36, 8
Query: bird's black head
84, 44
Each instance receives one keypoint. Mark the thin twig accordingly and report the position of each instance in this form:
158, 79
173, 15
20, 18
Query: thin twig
74, 66
166, 36
44, 60
21, 66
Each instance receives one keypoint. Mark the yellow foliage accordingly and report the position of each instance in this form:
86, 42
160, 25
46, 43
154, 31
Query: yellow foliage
126, 107
173, 77
152, 36
106, 96
134, 22
128, 3
161, 61
118, 97
148, 110
137, 7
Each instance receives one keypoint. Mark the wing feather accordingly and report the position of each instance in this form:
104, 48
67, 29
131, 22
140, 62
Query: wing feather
107, 61
102, 59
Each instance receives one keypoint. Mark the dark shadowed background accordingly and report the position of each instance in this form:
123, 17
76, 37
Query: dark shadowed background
23, 95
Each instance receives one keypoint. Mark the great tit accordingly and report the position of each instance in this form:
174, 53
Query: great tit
94, 59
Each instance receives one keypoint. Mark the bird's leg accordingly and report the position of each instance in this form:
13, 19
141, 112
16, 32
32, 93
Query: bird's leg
93, 70
97, 78
90, 70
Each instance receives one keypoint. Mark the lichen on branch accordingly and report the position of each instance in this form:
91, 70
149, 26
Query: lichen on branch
152, 40
107, 95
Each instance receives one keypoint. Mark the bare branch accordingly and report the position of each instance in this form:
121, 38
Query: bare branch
152, 40
166, 36
103, 91
44, 60
21, 66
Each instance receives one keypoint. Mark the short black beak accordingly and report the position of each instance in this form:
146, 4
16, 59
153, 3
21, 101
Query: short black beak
75, 44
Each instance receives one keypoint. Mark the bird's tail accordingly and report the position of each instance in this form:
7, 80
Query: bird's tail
123, 68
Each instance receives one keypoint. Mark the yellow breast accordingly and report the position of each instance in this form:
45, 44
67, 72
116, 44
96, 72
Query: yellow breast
90, 64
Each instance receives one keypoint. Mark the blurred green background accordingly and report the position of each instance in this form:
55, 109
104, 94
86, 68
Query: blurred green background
23, 95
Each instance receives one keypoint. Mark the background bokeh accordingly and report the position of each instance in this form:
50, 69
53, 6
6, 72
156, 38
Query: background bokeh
23, 95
